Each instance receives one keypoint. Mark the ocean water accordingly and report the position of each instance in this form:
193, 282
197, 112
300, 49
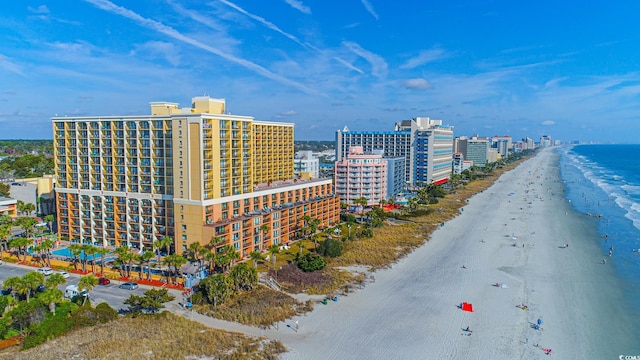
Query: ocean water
603, 182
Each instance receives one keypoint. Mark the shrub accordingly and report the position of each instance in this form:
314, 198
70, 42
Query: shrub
310, 263
52, 327
330, 248
368, 232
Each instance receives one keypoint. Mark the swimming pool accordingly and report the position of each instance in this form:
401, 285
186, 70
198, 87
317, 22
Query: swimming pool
64, 252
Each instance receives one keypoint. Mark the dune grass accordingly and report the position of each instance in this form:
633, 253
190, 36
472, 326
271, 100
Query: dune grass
163, 336
260, 307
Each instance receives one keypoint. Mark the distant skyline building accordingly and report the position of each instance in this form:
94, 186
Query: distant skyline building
503, 144
425, 144
360, 175
475, 149
395, 177
193, 174
306, 163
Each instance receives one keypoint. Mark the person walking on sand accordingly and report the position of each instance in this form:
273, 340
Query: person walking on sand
604, 261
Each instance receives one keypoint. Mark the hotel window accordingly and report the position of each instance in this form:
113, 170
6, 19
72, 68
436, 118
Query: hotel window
184, 227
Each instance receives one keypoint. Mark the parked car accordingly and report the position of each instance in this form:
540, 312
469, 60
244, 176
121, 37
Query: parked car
6, 291
41, 288
129, 286
104, 281
45, 271
64, 274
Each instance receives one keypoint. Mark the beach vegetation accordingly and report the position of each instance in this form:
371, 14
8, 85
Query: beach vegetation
330, 248
150, 303
122, 338
310, 262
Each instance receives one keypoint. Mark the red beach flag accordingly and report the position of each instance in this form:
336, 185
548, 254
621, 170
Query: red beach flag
467, 307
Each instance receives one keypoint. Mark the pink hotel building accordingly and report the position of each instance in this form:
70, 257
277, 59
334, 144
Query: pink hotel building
359, 175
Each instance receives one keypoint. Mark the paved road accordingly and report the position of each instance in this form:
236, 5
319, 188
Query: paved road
110, 294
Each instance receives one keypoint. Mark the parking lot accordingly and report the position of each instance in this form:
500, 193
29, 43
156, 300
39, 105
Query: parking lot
110, 293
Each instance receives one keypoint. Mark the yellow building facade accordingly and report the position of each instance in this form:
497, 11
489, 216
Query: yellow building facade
193, 174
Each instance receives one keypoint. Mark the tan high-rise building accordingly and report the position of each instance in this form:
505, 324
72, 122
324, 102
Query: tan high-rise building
192, 174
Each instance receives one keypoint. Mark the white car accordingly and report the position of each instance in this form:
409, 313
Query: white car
45, 271
64, 274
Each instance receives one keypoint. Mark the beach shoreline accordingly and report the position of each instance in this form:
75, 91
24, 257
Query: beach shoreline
411, 311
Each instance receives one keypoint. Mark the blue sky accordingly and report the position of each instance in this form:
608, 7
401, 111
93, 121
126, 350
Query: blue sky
570, 69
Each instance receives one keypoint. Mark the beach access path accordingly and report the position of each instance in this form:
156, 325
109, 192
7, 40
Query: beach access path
513, 235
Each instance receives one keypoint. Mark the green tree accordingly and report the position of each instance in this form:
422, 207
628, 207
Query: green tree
175, 261
21, 245
5, 233
102, 251
151, 302
330, 248
51, 297
5, 190
27, 224
166, 243
54, 280
31, 281
146, 260
218, 288
50, 219
75, 250
273, 250
243, 277
256, 256
87, 283
310, 263
47, 246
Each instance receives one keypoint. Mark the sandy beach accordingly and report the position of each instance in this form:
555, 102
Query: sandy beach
412, 311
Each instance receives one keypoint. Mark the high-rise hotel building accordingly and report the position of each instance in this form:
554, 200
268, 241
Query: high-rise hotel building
193, 174
424, 143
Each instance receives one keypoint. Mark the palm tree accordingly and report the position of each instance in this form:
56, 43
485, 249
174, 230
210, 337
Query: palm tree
87, 283
273, 250
14, 283
54, 280
255, 256
211, 257
51, 297
75, 250
30, 282
194, 249
102, 251
5, 232
361, 201
215, 242
231, 253
146, 259
176, 261
140, 261
166, 242
265, 230
29, 208
27, 224
126, 258
20, 244
49, 219
46, 246
89, 252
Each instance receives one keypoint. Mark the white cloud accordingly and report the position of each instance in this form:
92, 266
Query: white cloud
548, 123
378, 66
173, 33
269, 25
348, 64
42, 9
161, 49
370, 9
424, 57
415, 84
288, 113
298, 5
7, 64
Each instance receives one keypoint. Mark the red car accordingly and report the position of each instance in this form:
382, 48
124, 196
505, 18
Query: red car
104, 281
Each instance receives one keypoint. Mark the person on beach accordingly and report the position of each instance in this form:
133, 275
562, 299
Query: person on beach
604, 261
